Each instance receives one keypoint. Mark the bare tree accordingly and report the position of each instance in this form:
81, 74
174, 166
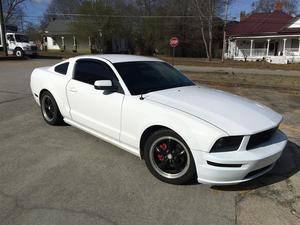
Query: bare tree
11, 7
64, 6
205, 10
289, 6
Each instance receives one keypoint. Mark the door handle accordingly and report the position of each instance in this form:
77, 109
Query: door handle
72, 89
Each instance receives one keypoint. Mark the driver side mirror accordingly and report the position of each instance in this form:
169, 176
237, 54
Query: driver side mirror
105, 85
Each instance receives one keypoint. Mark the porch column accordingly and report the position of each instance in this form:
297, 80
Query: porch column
251, 47
234, 49
268, 47
299, 47
74, 44
63, 47
284, 44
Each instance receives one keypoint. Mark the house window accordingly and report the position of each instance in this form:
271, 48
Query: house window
295, 43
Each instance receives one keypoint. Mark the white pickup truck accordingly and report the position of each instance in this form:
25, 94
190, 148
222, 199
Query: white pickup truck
19, 45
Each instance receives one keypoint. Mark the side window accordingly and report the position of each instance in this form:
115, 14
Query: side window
62, 68
88, 71
10, 37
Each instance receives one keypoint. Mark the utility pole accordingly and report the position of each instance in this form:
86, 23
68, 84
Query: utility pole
3, 29
224, 29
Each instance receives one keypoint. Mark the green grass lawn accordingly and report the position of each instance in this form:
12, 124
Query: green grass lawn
287, 83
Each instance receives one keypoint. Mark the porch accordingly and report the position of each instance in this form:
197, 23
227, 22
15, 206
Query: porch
272, 49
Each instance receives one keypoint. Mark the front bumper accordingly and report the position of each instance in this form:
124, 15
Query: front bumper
238, 166
30, 52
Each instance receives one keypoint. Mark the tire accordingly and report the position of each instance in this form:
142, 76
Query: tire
50, 110
168, 157
19, 53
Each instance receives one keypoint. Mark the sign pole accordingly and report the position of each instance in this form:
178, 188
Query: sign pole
173, 55
3, 36
174, 41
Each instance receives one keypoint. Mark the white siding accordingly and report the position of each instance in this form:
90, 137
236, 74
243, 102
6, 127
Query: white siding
51, 44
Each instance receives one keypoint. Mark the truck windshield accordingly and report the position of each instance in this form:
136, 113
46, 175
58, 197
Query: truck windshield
21, 38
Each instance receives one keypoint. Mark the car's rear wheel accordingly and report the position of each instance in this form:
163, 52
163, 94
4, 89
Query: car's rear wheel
168, 157
50, 110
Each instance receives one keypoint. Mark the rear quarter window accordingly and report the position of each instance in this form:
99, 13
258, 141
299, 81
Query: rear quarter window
62, 68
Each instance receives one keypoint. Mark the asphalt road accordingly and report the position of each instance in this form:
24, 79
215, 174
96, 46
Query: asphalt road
61, 175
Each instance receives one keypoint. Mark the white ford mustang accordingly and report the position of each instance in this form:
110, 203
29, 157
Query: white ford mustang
148, 108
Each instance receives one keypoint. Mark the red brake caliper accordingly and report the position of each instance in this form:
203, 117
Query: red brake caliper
164, 147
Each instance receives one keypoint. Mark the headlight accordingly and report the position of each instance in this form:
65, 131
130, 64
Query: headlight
27, 48
227, 144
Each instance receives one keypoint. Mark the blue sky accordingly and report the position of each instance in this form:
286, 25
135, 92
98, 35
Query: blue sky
238, 6
35, 8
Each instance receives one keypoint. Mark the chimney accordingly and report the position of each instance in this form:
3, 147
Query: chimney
242, 16
278, 6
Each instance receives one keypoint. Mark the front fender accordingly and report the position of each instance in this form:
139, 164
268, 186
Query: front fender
198, 135
139, 115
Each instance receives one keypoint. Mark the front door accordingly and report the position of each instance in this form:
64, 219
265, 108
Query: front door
276, 48
10, 40
96, 109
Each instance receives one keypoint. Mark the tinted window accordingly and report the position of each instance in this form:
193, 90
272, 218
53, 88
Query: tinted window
143, 77
62, 68
88, 71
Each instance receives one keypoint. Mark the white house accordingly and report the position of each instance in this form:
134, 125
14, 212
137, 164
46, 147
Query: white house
274, 37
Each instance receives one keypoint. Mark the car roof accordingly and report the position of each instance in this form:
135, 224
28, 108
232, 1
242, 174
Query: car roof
118, 58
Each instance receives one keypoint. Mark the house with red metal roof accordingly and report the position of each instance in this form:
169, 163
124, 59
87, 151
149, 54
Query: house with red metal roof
273, 37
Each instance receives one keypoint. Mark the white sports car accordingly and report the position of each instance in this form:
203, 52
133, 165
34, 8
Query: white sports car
148, 108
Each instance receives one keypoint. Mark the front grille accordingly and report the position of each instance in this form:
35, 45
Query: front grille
260, 138
33, 48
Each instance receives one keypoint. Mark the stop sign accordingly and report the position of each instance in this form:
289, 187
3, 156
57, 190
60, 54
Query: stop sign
174, 42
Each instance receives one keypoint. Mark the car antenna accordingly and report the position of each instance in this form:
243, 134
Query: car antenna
142, 97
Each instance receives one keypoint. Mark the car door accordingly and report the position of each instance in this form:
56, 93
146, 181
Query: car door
95, 109
11, 41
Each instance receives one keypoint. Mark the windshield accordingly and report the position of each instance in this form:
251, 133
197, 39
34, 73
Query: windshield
142, 77
21, 38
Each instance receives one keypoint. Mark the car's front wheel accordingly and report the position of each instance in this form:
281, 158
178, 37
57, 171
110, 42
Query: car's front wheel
168, 157
50, 110
19, 53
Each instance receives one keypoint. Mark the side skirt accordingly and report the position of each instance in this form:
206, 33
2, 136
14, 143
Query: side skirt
104, 138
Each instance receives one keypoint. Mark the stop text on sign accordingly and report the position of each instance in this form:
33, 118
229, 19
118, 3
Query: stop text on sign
174, 42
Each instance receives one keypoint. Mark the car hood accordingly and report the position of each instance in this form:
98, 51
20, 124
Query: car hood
233, 114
